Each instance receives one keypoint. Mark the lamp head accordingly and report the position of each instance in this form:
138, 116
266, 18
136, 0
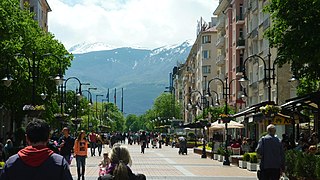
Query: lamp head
59, 80
43, 96
294, 81
7, 80
244, 81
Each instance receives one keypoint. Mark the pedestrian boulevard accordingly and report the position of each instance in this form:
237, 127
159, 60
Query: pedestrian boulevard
166, 163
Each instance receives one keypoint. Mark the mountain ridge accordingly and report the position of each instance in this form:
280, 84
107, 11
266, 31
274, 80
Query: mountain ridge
142, 73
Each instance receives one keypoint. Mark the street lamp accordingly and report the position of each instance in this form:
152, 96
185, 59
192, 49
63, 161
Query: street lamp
90, 104
97, 106
226, 92
77, 97
204, 154
244, 79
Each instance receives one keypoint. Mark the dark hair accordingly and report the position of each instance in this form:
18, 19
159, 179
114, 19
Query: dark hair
79, 135
38, 131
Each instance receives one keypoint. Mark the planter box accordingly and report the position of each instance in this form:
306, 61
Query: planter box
220, 158
215, 156
252, 166
242, 164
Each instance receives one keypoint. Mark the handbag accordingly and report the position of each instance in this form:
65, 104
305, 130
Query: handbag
284, 177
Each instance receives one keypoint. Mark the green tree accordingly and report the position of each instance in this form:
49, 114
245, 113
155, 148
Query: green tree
294, 32
165, 107
21, 34
114, 117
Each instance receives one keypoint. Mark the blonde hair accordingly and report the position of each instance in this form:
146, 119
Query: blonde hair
121, 157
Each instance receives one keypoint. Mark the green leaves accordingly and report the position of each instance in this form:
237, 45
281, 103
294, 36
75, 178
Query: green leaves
295, 32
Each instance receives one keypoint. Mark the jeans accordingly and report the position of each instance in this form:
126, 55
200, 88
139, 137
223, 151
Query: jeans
81, 165
99, 145
67, 158
93, 148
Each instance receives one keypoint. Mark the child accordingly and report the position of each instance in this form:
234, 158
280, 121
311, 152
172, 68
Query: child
104, 164
105, 161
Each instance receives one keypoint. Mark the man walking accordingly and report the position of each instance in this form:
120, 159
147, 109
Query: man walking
93, 142
36, 161
66, 143
272, 155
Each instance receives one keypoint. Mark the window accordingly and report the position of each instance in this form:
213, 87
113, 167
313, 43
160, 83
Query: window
206, 39
261, 72
205, 54
206, 69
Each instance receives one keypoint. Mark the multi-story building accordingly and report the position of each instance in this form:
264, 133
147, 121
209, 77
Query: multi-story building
259, 91
230, 47
199, 67
41, 9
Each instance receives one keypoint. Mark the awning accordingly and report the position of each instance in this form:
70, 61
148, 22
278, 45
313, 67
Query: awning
310, 100
252, 109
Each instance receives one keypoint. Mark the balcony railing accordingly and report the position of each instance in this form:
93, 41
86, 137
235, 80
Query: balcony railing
220, 42
220, 60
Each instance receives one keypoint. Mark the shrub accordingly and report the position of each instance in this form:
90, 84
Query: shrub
246, 157
253, 158
191, 135
220, 151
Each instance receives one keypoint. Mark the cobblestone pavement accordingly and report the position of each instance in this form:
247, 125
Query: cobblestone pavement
166, 163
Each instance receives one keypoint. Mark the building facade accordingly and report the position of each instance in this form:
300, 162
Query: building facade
194, 74
41, 9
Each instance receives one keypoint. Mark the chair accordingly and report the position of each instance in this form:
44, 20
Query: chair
236, 151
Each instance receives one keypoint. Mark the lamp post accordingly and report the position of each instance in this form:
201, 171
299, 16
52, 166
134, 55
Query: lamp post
204, 154
244, 80
102, 109
172, 91
226, 92
33, 72
98, 95
90, 104
78, 93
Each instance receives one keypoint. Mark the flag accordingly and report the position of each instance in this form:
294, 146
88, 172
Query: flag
122, 100
107, 97
115, 96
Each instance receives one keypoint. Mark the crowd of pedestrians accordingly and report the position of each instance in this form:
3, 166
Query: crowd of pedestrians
48, 156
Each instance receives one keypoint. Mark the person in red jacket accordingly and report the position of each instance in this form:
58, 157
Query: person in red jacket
36, 161
93, 142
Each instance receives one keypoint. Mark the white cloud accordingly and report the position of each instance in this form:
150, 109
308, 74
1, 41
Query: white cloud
137, 23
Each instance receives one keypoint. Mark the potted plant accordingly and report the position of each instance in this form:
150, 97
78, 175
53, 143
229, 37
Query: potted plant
33, 111
220, 153
61, 117
243, 162
270, 110
252, 165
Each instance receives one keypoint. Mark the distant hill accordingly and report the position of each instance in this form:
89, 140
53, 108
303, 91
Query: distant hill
142, 73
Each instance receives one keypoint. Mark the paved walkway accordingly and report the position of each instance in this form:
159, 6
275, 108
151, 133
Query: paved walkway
166, 163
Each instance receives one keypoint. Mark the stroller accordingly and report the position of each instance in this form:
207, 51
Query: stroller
154, 142
183, 146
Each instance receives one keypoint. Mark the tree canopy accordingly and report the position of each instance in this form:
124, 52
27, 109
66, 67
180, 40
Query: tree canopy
294, 32
21, 34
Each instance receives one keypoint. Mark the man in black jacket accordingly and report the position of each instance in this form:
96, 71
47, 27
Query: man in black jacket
66, 143
36, 161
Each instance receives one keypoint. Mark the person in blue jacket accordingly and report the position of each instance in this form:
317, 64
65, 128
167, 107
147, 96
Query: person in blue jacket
36, 161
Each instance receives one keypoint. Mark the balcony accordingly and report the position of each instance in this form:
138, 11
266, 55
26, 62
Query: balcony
240, 19
241, 44
220, 60
220, 24
220, 42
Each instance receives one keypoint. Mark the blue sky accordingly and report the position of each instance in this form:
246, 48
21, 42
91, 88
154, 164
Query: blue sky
124, 23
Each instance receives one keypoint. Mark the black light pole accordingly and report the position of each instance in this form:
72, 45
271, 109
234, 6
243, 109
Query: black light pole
90, 104
78, 94
226, 93
97, 106
33, 65
244, 80
204, 154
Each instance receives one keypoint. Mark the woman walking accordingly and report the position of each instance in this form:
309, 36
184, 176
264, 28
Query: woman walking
80, 153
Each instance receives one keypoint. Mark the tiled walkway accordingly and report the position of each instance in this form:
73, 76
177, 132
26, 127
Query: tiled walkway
166, 163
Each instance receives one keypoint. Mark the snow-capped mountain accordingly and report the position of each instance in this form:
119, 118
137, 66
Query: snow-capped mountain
142, 72
90, 47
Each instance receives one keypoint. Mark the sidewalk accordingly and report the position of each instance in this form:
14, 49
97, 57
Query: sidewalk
166, 163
